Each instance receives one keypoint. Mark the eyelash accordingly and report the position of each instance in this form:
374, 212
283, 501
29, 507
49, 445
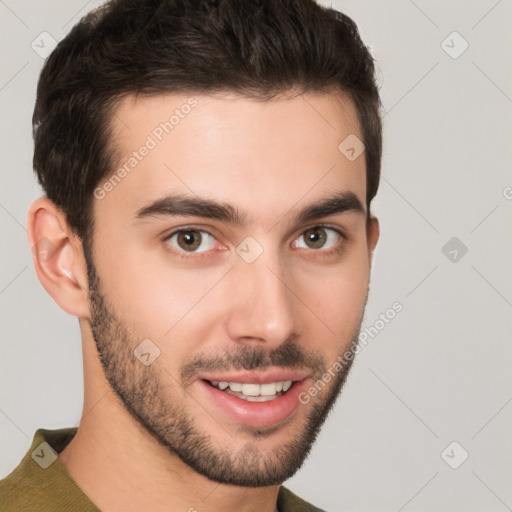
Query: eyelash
204, 255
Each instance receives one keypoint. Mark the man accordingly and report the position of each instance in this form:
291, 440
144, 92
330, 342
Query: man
208, 170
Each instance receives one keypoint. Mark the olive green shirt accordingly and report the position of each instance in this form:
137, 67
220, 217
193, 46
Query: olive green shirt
41, 483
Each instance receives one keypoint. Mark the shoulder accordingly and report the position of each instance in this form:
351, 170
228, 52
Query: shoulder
23, 489
287, 501
14, 490
40, 482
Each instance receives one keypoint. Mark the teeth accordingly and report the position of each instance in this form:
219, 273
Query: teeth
250, 389
259, 398
268, 389
254, 392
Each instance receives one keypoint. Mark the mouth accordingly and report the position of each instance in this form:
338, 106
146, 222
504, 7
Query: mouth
253, 392
254, 399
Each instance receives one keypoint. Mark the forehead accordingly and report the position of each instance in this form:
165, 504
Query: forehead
262, 156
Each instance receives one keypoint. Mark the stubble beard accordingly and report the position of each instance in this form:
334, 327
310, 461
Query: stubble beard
142, 393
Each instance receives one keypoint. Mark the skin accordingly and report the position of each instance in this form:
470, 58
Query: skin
212, 306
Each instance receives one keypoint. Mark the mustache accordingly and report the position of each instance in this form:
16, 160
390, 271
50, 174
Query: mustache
287, 355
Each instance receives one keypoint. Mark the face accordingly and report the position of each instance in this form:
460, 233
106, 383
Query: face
229, 272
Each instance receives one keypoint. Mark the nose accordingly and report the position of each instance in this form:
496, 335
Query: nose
263, 308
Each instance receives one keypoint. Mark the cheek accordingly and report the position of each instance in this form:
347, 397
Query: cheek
158, 299
337, 297
341, 300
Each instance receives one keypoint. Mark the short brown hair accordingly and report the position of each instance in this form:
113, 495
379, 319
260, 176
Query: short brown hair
259, 48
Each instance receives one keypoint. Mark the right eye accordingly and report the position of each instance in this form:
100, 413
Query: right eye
189, 240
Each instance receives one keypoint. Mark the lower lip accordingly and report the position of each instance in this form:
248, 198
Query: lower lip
255, 414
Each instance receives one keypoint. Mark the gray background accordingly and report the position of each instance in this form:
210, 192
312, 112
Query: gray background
440, 371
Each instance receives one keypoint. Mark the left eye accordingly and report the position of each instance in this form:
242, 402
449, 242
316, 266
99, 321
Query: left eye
189, 240
318, 236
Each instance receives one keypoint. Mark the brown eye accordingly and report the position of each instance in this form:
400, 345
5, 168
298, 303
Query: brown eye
191, 240
315, 238
319, 238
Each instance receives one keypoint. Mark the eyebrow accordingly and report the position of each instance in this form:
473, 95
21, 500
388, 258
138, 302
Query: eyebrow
182, 205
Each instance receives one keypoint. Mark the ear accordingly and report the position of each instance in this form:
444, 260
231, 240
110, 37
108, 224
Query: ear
372, 235
58, 257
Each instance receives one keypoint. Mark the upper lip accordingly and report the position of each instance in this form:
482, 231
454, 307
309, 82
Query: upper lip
257, 377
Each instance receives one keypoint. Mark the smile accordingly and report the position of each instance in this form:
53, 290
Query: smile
254, 392
254, 399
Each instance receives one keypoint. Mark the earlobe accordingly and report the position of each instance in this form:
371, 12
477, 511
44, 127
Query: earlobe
58, 258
